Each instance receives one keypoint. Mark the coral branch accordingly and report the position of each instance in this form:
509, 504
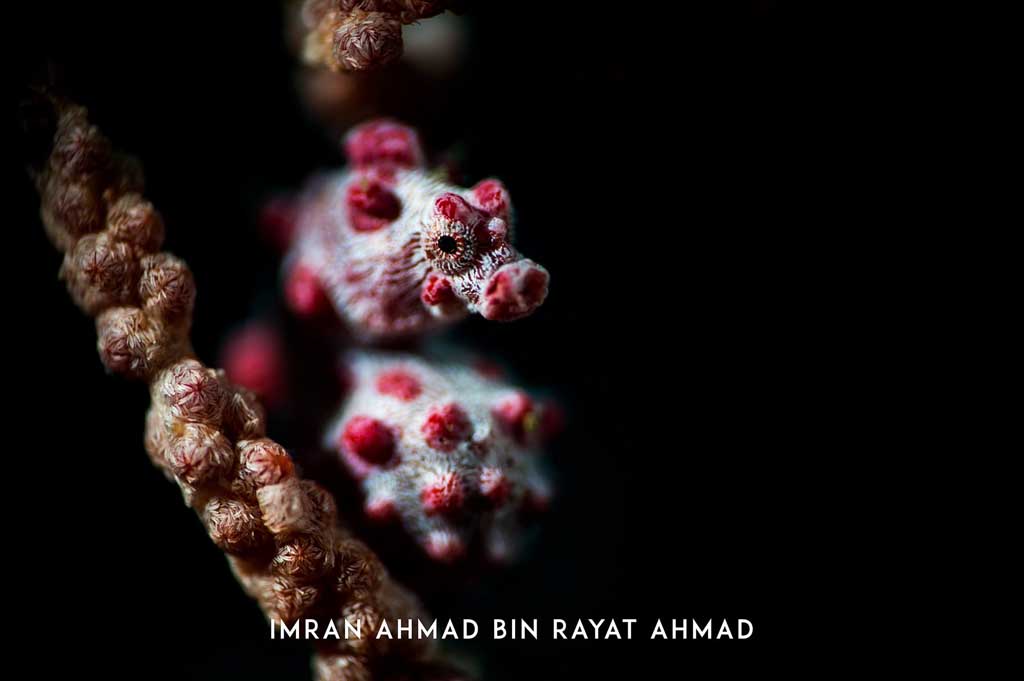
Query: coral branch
281, 533
357, 35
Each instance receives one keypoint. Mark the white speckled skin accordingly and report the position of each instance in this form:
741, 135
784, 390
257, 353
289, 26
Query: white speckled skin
488, 452
375, 278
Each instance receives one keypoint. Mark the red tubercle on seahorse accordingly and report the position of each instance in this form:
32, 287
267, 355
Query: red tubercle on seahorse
371, 205
368, 438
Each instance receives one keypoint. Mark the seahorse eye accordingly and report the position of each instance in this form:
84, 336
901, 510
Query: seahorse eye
447, 244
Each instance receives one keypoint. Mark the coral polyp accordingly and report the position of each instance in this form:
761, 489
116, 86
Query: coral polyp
444, 448
398, 252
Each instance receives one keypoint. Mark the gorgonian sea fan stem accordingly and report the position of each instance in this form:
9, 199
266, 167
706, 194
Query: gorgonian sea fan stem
281, 533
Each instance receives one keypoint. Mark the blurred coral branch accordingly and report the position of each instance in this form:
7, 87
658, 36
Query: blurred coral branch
356, 35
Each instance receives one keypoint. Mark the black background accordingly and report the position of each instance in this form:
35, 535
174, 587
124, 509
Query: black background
649, 158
